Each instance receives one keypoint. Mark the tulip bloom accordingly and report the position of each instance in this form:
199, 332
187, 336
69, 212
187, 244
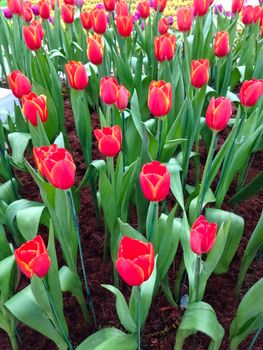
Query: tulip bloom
258, 14
32, 258
15, 7
160, 98
163, 26
200, 7
124, 25
184, 19
95, 49
250, 92
44, 10
33, 106
135, 261
202, 236
218, 113
109, 140
159, 5
99, 21
144, 9
122, 98
86, 20
164, 47
67, 14
77, 75
199, 73
237, 6
27, 14
19, 84
56, 165
33, 35
108, 90
155, 181
247, 14
69, 2
109, 5
122, 8
221, 45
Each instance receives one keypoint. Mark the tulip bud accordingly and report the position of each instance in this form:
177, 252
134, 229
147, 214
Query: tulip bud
7, 13
56, 165
202, 236
144, 9
164, 47
200, 7
77, 75
237, 6
221, 45
99, 21
33, 35
160, 98
124, 25
159, 5
27, 13
247, 14
109, 5
135, 261
15, 7
163, 26
122, 98
122, 8
218, 113
184, 19
67, 14
44, 10
32, 258
33, 106
86, 20
258, 14
199, 73
109, 140
250, 92
19, 83
95, 49
108, 90
155, 181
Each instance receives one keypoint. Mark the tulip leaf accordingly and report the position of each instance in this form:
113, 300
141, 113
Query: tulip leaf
176, 185
109, 206
8, 191
5, 250
200, 317
7, 277
18, 143
128, 230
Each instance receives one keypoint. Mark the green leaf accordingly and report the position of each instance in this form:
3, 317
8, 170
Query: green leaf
28, 220
18, 143
176, 185
7, 277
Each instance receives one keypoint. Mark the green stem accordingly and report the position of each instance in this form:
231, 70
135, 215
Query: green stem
159, 135
139, 317
197, 275
154, 214
76, 225
197, 162
123, 139
111, 172
108, 115
13, 341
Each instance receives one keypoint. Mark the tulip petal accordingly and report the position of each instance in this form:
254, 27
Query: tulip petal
131, 273
40, 265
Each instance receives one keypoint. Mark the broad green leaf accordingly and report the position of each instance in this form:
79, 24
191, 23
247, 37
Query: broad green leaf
28, 220
7, 277
18, 142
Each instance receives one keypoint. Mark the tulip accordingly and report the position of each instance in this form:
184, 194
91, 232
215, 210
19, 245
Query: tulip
184, 19
144, 9
33, 106
122, 8
109, 140
27, 14
33, 35
237, 6
200, 7
67, 14
95, 49
99, 21
135, 261
44, 9
247, 14
15, 7
7, 13
221, 45
258, 14
250, 92
202, 236
69, 2
19, 83
155, 181
86, 19
199, 72
108, 90
109, 5
77, 75
164, 47
124, 25
32, 258
56, 165
163, 26
159, 5
160, 98
218, 113
35, 10
122, 98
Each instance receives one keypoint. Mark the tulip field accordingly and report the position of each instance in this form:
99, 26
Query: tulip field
131, 175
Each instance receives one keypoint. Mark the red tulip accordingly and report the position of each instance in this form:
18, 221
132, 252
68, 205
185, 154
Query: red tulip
262, 29
27, 14
200, 7
160, 98
108, 90
124, 25
33, 35
221, 45
15, 7
247, 14
144, 9
163, 26
56, 165
67, 13
237, 6
184, 19
69, 2
32, 258
250, 92
19, 83
122, 98
122, 8
109, 140
86, 19
202, 236
258, 14
135, 261
99, 21
159, 5
109, 5
44, 10
77, 75
164, 47
155, 181
33, 106
218, 113
199, 73
95, 49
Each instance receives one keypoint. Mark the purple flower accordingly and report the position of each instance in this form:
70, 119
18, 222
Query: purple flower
218, 9
7, 13
142, 26
136, 16
100, 6
51, 19
35, 10
228, 13
151, 3
79, 3
170, 20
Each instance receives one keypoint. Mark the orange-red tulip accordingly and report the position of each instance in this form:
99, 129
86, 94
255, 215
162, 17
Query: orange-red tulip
124, 25
237, 6
163, 26
202, 236
27, 14
160, 98
44, 10
250, 92
15, 7
99, 21
122, 8
109, 140
221, 45
164, 47
159, 5
33, 35
109, 5
33, 106
19, 83
200, 7
218, 113
199, 72
86, 19
122, 98
67, 13
108, 90
77, 75
184, 19
258, 14
95, 49
144, 9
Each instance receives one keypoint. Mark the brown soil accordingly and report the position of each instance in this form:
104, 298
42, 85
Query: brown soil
160, 330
